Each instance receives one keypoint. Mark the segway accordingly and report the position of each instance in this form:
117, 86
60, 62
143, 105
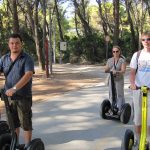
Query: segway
128, 140
8, 141
4, 128
109, 108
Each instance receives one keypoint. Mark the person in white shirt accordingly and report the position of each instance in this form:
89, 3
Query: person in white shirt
140, 76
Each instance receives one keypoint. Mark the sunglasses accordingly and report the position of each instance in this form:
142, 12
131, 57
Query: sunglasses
147, 39
115, 51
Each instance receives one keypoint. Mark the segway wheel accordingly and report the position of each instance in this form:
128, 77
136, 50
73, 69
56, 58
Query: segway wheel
36, 144
147, 146
4, 128
128, 140
105, 107
5, 141
125, 113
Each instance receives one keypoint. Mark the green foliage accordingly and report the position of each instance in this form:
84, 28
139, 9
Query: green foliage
85, 49
28, 43
90, 49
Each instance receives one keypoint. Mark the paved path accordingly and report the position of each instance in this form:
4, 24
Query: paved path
71, 121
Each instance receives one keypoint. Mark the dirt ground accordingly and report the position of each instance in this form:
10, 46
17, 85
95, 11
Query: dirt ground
64, 78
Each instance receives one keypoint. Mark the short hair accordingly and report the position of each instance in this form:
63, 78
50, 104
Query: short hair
15, 35
146, 33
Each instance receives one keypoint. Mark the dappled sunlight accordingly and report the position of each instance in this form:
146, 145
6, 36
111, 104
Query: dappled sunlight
66, 115
67, 120
74, 105
111, 141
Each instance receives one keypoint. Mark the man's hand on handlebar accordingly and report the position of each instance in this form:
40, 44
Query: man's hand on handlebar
133, 87
10, 92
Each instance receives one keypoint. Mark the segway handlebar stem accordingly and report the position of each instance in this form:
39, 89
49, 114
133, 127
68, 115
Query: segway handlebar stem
7, 100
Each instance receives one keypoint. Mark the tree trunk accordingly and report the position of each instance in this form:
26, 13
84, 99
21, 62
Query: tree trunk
36, 37
134, 44
116, 22
86, 27
45, 41
15, 17
103, 19
33, 20
50, 41
76, 25
59, 21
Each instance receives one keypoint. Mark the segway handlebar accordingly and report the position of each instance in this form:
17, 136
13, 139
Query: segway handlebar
6, 100
142, 87
139, 88
3, 96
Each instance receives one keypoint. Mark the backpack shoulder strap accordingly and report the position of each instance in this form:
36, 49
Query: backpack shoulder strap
138, 54
11, 66
137, 58
123, 57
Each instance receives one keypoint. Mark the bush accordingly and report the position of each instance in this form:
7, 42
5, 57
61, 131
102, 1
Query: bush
85, 49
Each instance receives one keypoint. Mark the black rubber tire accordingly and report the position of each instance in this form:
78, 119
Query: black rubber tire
5, 141
128, 140
4, 128
105, 107
36, 144
125, 113
147, 146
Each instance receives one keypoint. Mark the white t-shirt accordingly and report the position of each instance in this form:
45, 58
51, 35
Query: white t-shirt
142, 77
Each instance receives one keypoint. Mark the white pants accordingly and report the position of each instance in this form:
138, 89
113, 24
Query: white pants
137, 107
119, 92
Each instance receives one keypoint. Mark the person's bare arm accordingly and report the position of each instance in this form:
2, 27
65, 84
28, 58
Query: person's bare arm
107, 69
132, 78
123, 69
21, 83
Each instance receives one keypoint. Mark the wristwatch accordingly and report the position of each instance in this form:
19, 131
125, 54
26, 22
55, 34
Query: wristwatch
15, 88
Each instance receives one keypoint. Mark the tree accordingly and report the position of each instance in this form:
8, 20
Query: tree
59, 21
134, 45
15, 17
81, 14
103, 18
116, 22
33, 20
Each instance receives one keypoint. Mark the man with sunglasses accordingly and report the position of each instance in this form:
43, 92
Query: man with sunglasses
140, 76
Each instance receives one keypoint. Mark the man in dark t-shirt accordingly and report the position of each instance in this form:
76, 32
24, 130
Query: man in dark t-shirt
18, 85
